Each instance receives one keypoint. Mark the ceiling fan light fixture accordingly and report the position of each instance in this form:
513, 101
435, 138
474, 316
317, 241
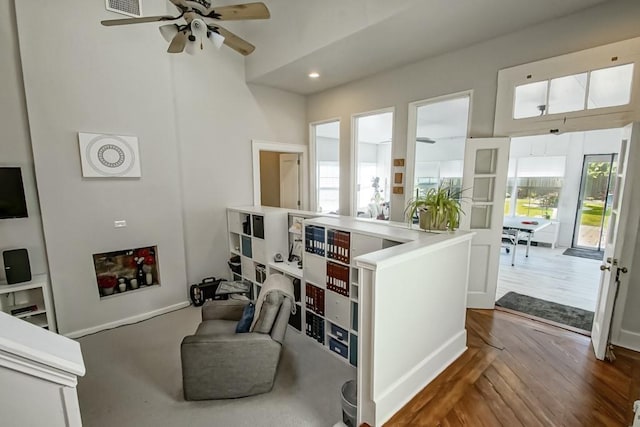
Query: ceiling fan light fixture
216, 38
168, 31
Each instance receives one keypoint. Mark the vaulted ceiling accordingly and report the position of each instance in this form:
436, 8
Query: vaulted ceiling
348, 40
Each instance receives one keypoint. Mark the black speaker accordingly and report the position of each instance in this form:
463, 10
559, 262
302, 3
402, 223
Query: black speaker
16, 266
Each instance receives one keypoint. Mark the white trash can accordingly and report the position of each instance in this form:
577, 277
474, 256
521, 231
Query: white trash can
349, 395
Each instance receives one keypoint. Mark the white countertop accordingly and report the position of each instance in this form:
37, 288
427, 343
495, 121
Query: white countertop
413, 239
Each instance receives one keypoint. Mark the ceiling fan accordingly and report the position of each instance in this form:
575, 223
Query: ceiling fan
201, 21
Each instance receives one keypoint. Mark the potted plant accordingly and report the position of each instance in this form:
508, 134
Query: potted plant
437, 209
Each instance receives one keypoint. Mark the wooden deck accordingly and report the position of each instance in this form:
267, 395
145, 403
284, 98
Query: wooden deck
519, 372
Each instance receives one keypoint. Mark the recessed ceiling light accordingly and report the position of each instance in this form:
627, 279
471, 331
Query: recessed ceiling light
314, 75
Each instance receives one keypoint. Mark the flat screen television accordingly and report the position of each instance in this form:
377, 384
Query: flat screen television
12, 201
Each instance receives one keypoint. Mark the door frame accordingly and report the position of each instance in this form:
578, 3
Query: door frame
260, 145
578, 216
626, 339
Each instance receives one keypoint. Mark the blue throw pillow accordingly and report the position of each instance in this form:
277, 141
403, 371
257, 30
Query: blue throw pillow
244, 324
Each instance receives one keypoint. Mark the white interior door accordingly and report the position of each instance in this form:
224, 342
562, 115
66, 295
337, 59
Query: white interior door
484, 181
289, 181
618, 256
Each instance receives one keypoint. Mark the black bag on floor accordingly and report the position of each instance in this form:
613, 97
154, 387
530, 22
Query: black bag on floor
205, 290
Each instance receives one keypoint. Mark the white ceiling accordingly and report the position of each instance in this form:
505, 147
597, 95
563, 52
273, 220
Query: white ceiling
349, 40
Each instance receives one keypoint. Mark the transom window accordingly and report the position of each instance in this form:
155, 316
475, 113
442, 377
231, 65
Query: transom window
606, 87
588, 89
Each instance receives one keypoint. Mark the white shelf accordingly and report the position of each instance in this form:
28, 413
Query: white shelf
40, 309
290, 268
37, 281
34, 292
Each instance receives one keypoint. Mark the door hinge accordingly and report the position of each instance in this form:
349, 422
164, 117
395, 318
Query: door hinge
298, 162
298, 202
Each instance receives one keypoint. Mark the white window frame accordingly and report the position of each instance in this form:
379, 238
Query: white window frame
410, 165
514, 191
606, 56
354, 154
313, 165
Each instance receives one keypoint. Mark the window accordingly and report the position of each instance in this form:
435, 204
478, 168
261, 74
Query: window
533, 186
373, 135
441, 133
567, 93
608, 87
592, 88
530, 100
326, 138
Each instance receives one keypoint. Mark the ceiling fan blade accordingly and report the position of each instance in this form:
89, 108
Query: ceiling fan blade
234, 42
239, 12
178, 42
127, 21
180, 4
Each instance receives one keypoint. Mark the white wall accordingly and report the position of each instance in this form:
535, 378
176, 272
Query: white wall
474, 68
94, 79
194, 117
15, 147
217, 115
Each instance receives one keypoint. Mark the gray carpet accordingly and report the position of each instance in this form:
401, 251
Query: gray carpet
584, 253
134, 379
559, 313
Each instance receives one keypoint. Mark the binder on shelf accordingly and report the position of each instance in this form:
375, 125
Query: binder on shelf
315, 298
308, 238
338, 278
332, 244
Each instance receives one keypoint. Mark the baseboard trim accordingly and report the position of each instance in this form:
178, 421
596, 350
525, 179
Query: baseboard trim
629, 340
403, 390
127, 321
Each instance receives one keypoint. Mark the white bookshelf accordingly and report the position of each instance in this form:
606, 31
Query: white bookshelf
35, 294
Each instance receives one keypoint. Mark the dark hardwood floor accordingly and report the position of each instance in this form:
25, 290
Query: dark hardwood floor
518, 372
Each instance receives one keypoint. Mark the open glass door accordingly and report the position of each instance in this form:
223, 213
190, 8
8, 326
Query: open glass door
484, 184
594, 203
616, 262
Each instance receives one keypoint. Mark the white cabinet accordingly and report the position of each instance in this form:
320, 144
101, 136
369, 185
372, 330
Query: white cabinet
30, 301
315, 270
38, 373
330, 247
337, 309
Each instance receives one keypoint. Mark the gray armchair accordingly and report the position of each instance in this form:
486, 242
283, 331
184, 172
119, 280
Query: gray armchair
217, 363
